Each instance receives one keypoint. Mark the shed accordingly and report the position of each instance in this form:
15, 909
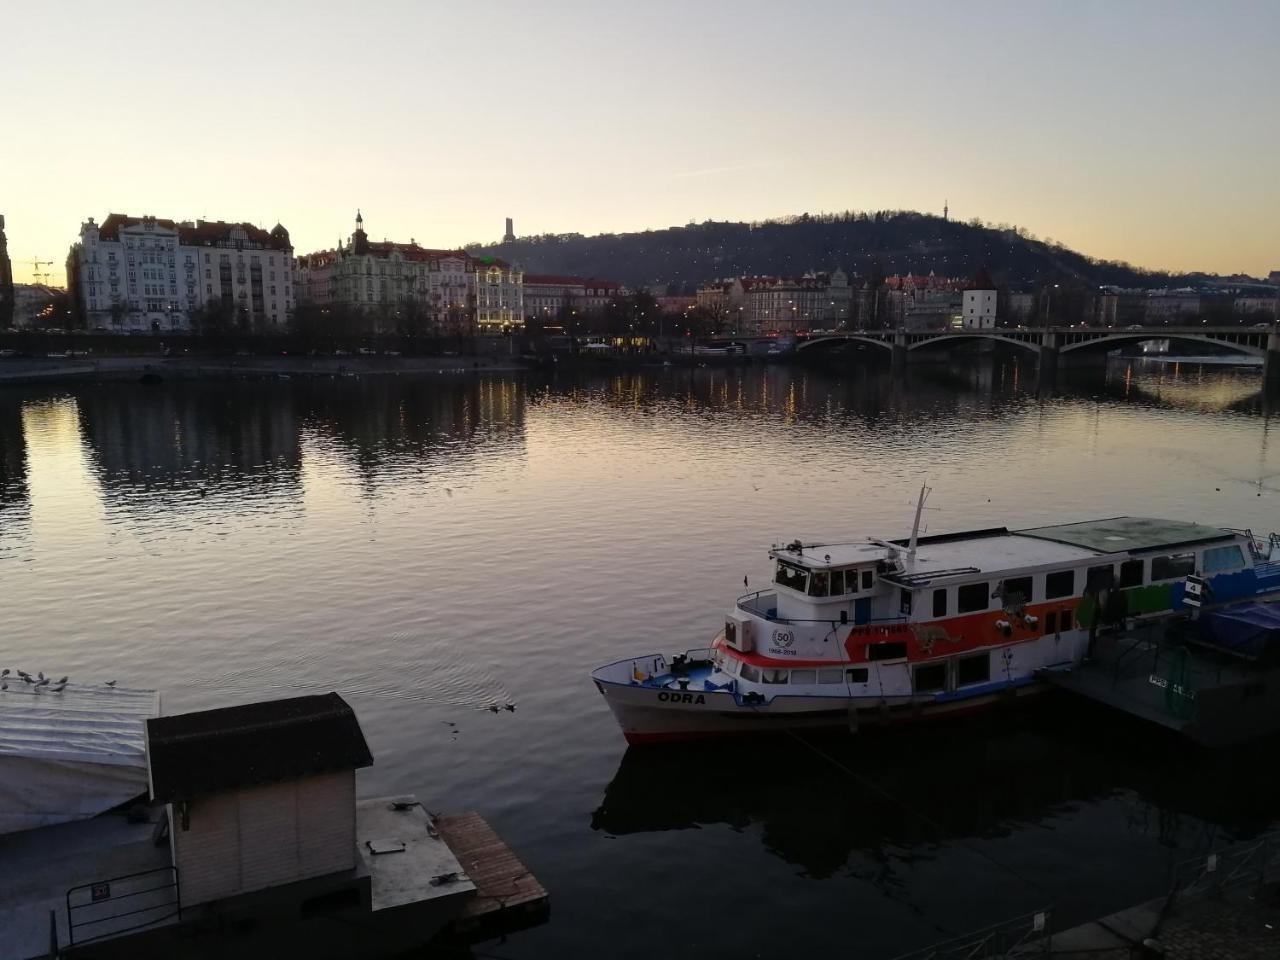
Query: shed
259, 795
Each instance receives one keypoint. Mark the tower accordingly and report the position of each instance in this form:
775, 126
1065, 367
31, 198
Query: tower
944, 210
359, 239
6, 280
510, 235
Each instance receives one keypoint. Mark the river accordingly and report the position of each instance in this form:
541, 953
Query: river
431, 547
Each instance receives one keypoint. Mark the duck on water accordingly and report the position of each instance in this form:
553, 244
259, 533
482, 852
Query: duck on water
927, 626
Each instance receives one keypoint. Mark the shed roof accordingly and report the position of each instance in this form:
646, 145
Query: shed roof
1128, 534
193, 754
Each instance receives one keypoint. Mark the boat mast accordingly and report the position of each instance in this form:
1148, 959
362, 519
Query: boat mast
915, 527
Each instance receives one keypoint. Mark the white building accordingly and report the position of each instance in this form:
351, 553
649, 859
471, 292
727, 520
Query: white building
145, 274
978, 306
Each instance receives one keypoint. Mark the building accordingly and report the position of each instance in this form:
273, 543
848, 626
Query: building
1172, 306
6, 280
790, 304
556, 298
1260, 308
1120, 307
453, 292
148, 275
928, 302
978, 306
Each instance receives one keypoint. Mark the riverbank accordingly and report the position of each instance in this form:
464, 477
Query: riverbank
81, 369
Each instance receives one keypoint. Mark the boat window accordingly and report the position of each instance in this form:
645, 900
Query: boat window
1064, 620
931, 677
866, 579
820, 584
731, 632
1217, 559
1100, 578
972, 597
1060, 584
904, 604
750, 673
1172, 567
856, 674
789, 575
1131, 573
1017, 590
975, 669
831, 675
940, 603
890, 650
804, 676
774, 676
1051, 622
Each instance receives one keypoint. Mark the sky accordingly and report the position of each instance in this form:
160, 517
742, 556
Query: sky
1141, 131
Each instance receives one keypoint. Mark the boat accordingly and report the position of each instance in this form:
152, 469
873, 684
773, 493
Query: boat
883, 631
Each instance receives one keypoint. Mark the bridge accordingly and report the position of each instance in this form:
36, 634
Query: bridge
1049, 344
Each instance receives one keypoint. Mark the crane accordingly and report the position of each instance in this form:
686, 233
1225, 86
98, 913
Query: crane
37, 275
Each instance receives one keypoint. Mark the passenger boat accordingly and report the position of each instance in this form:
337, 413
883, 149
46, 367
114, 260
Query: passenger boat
883, 631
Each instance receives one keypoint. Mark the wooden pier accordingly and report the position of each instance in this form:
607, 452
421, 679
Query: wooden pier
508, 897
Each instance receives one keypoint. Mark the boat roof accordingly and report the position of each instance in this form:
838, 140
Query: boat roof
988, 552
1128, 534
82, 724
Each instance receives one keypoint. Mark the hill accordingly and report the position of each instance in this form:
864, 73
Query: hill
681, 258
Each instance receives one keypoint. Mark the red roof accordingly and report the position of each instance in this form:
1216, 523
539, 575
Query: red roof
202, 232
553, 280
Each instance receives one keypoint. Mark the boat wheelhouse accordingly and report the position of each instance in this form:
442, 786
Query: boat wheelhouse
886, 630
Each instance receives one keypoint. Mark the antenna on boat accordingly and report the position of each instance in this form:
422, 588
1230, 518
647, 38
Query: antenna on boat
925, 490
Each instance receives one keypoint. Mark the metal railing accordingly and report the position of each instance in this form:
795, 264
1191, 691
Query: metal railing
1253, 863
112, 907
1025, 936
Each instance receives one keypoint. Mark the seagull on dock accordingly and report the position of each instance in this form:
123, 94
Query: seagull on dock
24, 675
43, 682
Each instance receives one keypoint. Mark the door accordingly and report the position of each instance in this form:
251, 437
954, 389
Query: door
862, 610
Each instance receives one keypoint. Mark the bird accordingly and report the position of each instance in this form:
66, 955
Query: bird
58, 689
40, 675
24, 675
4, 672
63, 680
42, 683
26, 678
510, 708
4, 685
111, 683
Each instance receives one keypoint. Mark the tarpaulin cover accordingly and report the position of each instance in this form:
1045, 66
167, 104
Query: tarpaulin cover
1249, 630
70, 754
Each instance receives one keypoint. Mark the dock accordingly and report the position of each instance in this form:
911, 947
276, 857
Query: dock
1204, 695
507, 896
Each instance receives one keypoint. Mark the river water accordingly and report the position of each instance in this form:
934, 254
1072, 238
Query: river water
431, 547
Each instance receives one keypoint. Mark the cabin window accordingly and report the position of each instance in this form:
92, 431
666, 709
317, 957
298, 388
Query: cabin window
804, 676
904, 604
731, 632
751, 673
1051, 622
1131, 573
856, 674
866, 579
1064, 620
789, 575
972, 597
1217, 559
1017, 590
940, 603
820, 584
1100, 578
774, 676
931, 677
1173, 567
975, 669
831, 675
1060, 584
891, 650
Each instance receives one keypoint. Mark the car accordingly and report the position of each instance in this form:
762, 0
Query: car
1262, 326
1134, 326
8, 353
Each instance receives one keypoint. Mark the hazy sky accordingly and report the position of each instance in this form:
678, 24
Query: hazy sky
1146, 131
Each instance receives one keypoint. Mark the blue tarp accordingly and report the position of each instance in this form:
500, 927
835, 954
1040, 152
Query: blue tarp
1248, 630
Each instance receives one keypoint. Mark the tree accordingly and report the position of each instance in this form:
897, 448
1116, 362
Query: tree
212, 319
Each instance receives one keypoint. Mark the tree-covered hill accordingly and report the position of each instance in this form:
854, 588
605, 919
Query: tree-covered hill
863, 244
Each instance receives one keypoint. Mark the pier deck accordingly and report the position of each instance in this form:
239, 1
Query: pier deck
1210, 698
508, 897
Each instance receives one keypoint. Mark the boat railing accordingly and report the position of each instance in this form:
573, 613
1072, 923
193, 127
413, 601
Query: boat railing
1261, 549
747, 603
118, 905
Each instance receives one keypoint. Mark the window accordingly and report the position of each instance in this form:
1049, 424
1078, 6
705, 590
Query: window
831, 675
940, 603
1051, 622
972, 597
866, 579
1060, 584
1172, 567
1131, 573
1017, 590
975, 669
904, 602
751, 673
1217, 559
774, 676
1100, 578
791, 576
931, 677
891, 650
856, 674
804, 676
820, 584
1064, 620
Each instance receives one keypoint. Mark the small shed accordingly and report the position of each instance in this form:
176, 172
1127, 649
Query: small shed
258, 795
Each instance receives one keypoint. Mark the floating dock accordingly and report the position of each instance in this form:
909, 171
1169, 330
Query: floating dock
507, 896
1204, 695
